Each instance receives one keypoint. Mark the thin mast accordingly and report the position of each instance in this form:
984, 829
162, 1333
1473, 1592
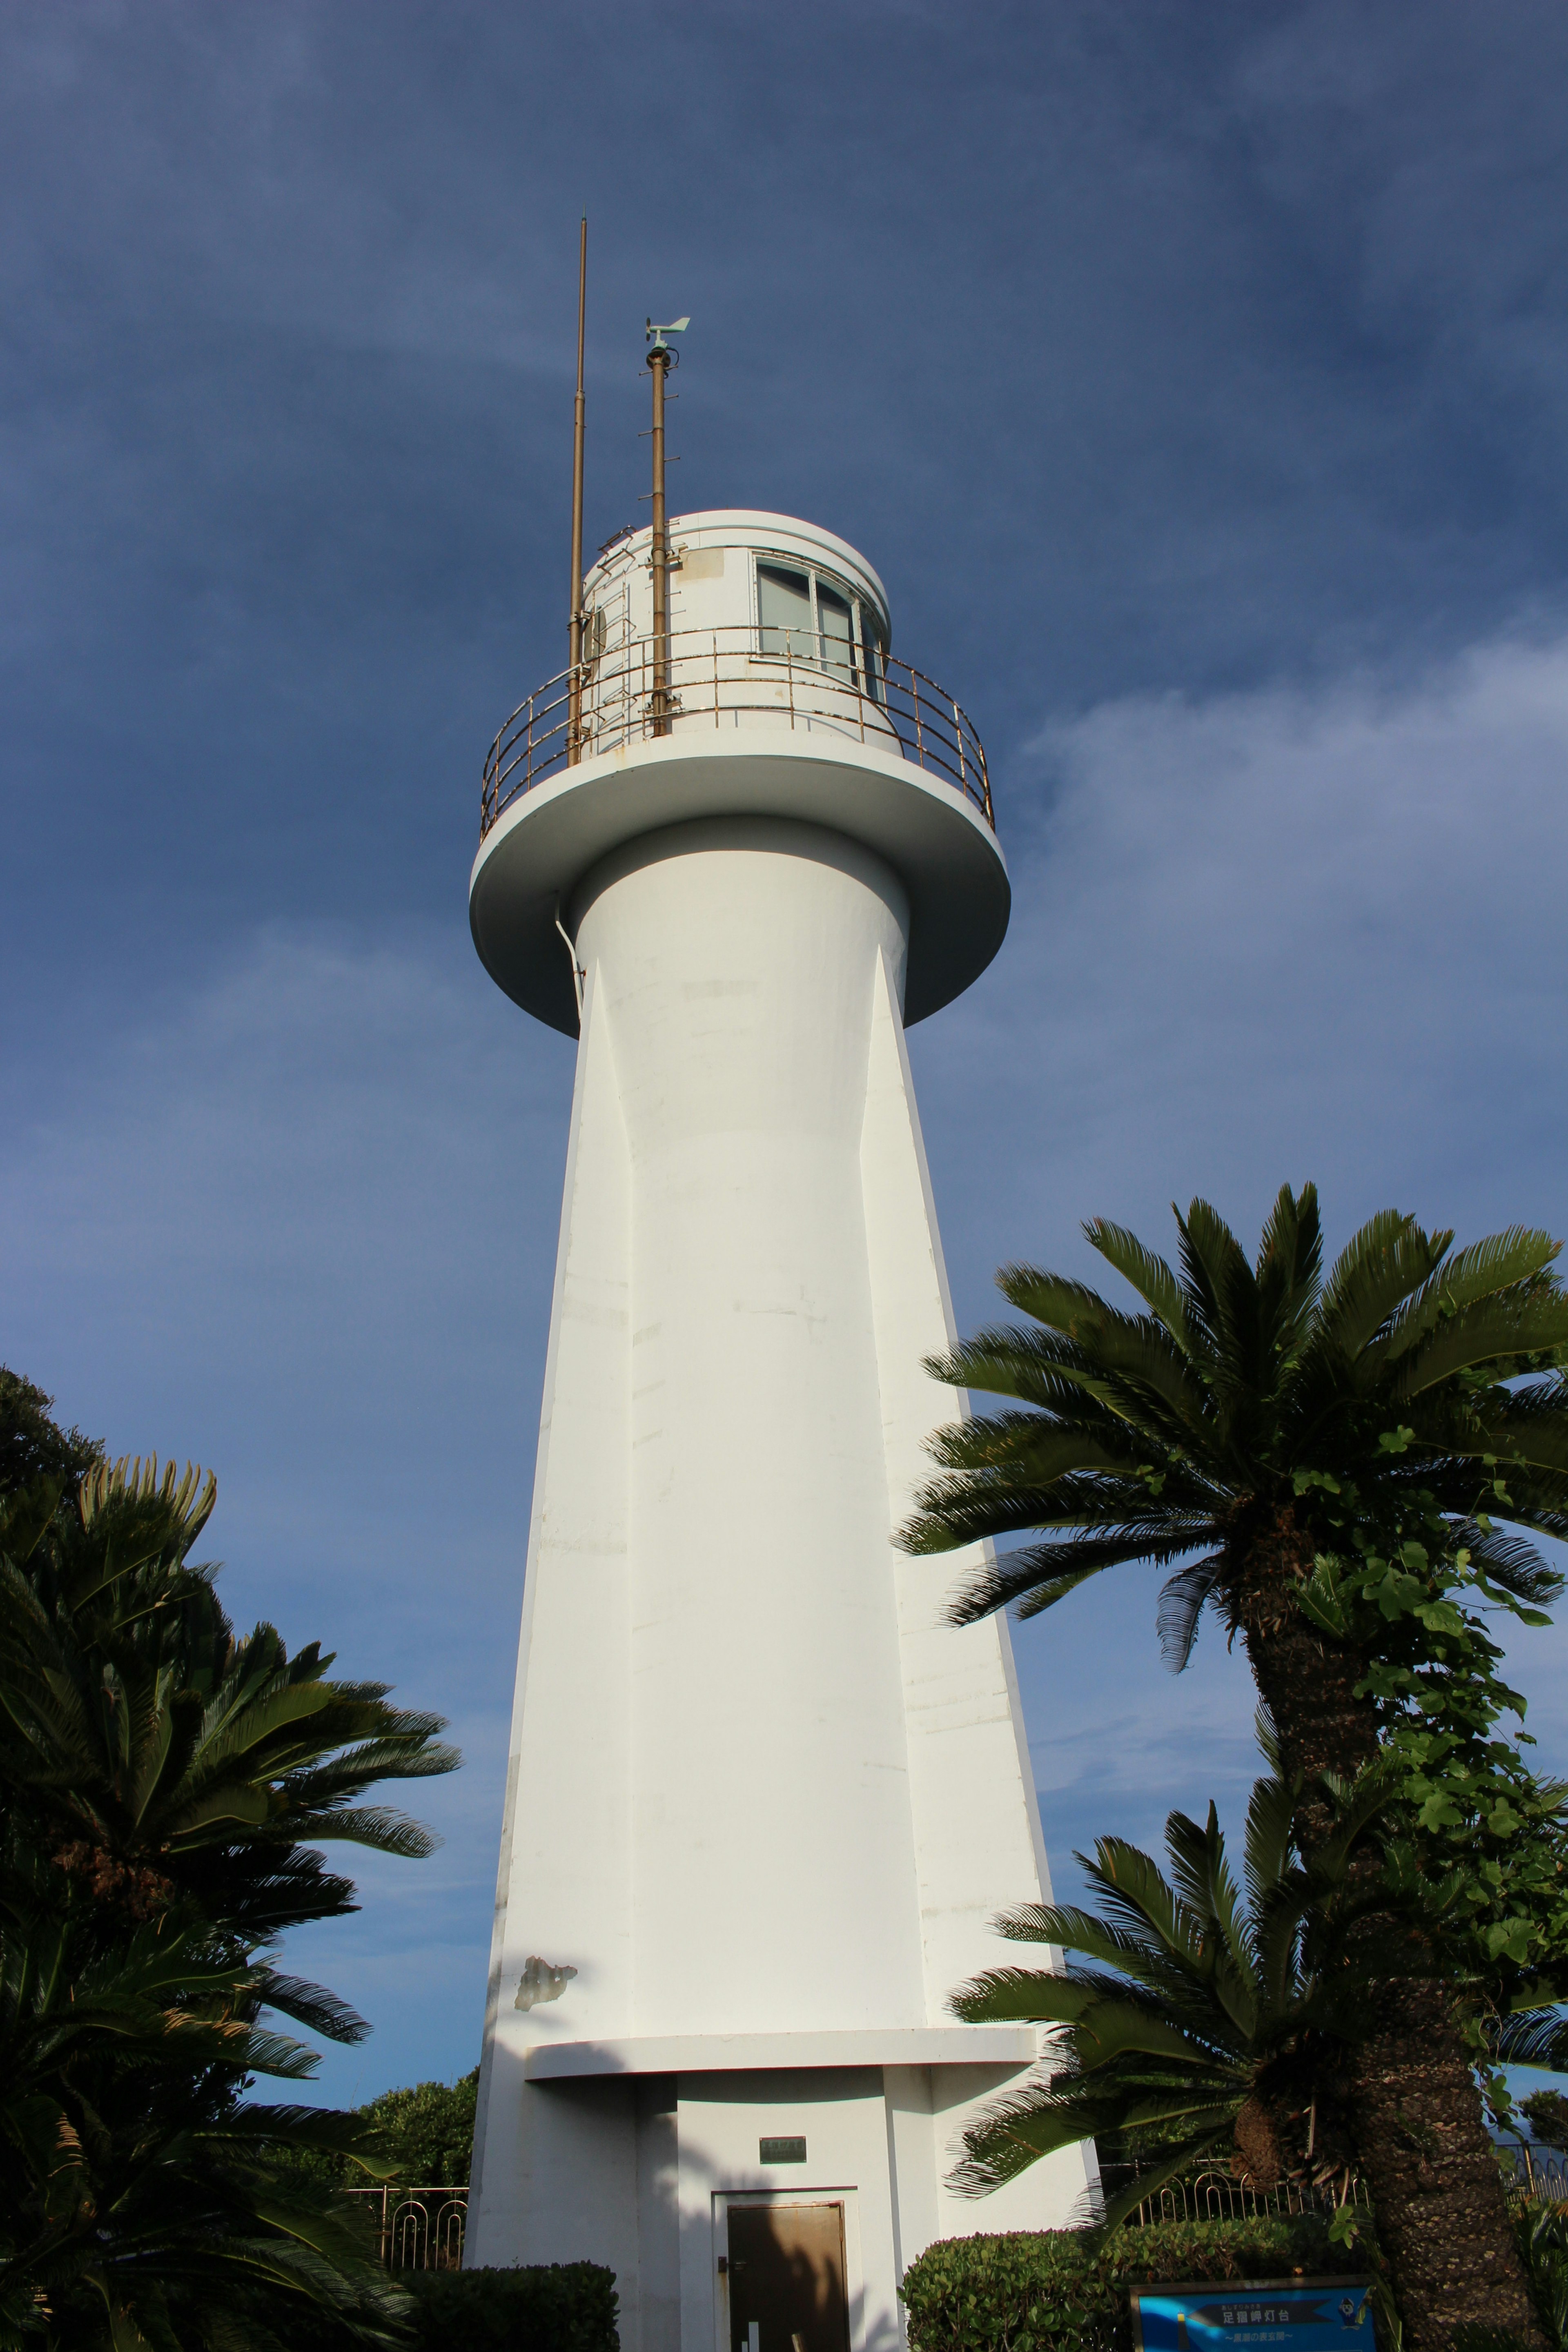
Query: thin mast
658, 363
659, 360
575, 630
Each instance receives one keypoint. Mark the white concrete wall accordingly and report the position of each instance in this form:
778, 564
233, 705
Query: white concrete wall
756, 1784
978, 1840
771, 1840
564, 1888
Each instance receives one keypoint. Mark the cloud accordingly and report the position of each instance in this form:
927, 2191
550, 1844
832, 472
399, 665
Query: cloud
1280, 934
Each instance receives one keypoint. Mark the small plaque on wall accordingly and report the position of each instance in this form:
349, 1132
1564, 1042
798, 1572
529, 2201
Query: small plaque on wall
781, 2151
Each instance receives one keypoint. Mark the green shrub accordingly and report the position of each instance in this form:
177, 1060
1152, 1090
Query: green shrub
428, 2131
1065, 2289
425, 2131
547, 2307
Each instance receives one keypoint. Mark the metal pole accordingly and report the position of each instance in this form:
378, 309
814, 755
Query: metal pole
659, 364
574, 631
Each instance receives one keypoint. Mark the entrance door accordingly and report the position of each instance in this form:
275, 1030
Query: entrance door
787, 2279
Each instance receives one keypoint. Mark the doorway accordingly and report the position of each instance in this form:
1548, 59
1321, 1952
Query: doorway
787, 2276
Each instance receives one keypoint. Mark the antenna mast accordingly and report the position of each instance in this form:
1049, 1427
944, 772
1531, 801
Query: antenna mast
575, 628
660, 359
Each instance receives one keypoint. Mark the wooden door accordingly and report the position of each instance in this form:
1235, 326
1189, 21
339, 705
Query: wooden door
787, 2279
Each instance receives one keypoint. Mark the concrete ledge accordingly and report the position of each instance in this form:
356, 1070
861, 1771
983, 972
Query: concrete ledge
937, 843
708, 2053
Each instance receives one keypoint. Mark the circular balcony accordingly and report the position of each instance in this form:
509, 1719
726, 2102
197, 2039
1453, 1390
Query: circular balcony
738, 677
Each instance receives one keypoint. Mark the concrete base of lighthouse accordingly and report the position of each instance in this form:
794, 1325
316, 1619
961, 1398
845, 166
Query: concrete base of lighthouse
660, 2176
764, 1801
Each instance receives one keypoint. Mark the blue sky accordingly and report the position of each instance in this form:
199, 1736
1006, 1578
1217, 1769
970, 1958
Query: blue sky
1195, 379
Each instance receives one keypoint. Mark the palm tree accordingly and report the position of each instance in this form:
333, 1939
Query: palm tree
142, 2205
1210, 2017
159, 1776
1255, 1430
1215, 1435
157, 1755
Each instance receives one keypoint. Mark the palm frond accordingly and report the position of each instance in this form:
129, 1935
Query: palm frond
1383, 1264
1004, 1996
370, 1825
1183, 1600
1532, 2037
1201, 1876
1136, 1892
1271, 1838
1510, 1561
312, 2006
1532, 1320
1031, 1449
1501, 1263
1221, 1287
1177, 2159
1054, 1299
1290, 1268
1149, 1275
1124, 1943
1038, 1575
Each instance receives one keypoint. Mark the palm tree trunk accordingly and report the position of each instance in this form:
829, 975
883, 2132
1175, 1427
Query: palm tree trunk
1308, 1684
1436, 2193
1307, 1681
1415, 2109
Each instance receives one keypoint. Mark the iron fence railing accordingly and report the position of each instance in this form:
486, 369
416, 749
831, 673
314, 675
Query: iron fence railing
1213, 2193
421, 2228
418, 2228
1537, 2171
738, 677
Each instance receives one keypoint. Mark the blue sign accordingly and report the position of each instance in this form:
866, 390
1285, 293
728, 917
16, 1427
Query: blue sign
1217, 2314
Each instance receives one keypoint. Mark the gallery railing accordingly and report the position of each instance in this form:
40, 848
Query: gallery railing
742, 677
418, 2228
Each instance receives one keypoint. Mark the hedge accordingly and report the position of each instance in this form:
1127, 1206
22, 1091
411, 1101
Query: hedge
545, 2308
1065, 2289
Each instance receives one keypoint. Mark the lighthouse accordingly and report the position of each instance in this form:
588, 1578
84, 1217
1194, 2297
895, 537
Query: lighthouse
761, 1802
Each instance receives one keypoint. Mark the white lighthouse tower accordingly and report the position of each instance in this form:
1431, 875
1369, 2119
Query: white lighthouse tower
762, 1802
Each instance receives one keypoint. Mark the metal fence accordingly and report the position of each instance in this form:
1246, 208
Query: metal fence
418, 2228
1536, 2171
1213, 2194
740, 677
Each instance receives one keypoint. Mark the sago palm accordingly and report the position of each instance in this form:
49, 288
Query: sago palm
1212, 2019
142, 2204
1212, 1431
156, 1750
1257, 1430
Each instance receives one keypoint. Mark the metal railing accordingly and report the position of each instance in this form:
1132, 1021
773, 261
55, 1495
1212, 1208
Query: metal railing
741, 677
1213, 2194
1538, 2171
418, 2228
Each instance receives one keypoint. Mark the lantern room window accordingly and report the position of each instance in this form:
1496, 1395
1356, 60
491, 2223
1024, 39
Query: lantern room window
803, 617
